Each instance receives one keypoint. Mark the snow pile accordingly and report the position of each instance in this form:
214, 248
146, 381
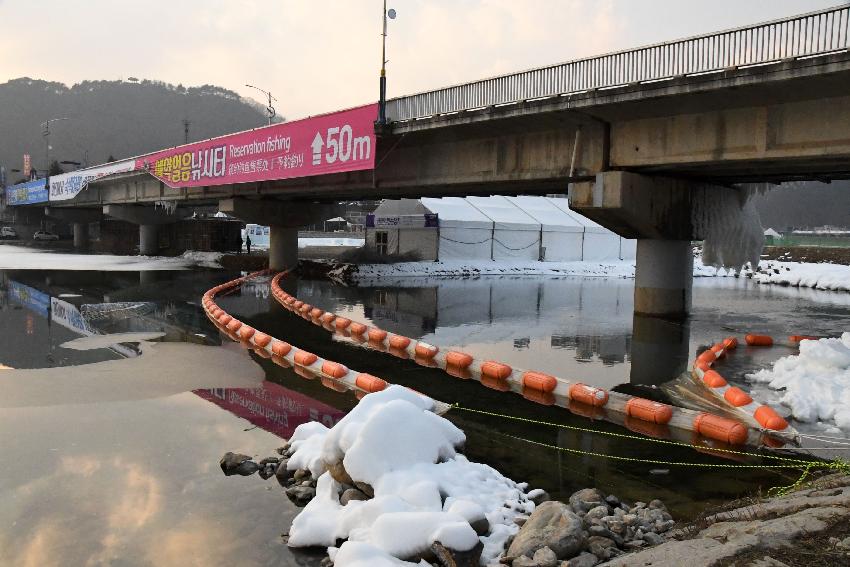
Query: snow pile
203, 259
305, 242
423, 490
832, 277
23, 258
816, 383
729, 223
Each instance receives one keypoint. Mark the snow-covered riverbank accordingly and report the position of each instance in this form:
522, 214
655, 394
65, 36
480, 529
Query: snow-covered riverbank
23, 258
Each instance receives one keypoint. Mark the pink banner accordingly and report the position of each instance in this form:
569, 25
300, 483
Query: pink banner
330, 143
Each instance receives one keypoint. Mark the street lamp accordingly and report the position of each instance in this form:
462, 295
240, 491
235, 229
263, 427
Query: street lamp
45, 127
269, 108
382, 105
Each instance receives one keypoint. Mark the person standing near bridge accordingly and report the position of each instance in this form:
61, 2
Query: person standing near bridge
248, 243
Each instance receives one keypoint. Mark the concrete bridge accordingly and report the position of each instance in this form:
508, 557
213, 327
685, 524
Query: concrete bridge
639, 138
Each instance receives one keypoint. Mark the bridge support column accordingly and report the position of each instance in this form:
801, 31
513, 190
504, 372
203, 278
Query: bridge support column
148, 240
81, 235
283, 247
663, 278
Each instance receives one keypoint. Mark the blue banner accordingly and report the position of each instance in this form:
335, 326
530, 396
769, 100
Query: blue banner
29, 297
27, 193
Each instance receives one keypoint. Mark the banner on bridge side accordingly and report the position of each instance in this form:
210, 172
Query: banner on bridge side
27, 193
68, 185
331, 143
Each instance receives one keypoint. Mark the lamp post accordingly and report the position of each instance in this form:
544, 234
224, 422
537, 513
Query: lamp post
382, 105
270, 109
45, 127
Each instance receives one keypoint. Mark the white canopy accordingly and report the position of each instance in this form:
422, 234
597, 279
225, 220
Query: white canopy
547, 214
504, 213
456, 212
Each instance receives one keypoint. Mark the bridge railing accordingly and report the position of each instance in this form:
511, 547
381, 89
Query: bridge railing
804, 35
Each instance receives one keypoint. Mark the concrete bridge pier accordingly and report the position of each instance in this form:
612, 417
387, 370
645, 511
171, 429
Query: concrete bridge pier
149, 219
283, 219
659, 212
79, 219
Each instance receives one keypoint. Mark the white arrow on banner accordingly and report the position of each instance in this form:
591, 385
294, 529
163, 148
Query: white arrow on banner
317, 145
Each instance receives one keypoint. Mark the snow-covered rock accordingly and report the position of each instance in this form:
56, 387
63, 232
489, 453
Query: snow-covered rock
424, 491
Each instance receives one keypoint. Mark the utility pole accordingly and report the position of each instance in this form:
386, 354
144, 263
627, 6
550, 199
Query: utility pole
270, 108
186, 130
45, 130
382, 104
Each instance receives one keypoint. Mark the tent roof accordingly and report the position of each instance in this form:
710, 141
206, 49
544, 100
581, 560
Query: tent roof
547, 214
771, 232
504, 213
564, 205
456, 212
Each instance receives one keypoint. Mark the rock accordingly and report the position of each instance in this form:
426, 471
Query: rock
584, 500
552, 525
247, 468
282, 474
605, 532
652, 538
634, 544
629, 519
326, 562
602, 547
300, 495
539, 497
480, 525
844, 544
595, 515
301, 474
283, 449
615, 525
365, 488
231, 462
267, 470
612, 500
451, 558
543, 557
520, 520
339, 473
657, 505
306, 483
351, 494
268, 460
584, 559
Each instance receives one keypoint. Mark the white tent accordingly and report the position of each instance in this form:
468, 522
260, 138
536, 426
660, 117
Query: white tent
599, 242
562, 234
465, 232
516, 235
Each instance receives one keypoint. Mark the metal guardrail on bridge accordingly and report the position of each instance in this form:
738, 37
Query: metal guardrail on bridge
804, 35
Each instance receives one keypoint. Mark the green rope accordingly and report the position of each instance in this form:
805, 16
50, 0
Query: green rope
800, 462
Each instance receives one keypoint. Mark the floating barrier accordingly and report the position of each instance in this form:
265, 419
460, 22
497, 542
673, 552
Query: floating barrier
633, 412
740, 402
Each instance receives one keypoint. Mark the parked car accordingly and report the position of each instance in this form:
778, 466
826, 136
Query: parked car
8, 232
44, 235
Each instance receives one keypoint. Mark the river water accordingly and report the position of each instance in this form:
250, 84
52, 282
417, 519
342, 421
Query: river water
112, 458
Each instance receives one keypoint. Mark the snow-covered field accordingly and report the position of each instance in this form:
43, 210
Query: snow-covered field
832, 277
305, 242
815, 384
23, 258
423, 490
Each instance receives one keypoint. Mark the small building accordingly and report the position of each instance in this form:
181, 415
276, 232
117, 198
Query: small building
771, 236
522, 228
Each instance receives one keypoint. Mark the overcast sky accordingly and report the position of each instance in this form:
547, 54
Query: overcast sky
321, 55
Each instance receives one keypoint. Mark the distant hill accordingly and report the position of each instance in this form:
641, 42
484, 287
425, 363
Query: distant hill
805, 205
117, 118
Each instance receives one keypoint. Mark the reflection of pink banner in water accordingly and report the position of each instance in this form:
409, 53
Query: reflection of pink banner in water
330, 143
272, 407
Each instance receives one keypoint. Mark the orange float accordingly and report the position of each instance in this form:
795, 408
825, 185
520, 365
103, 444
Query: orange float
798, 338
737, 397
707, 356
497, 370
649, 410
759, 340
369, 383
730, 343
461, 372
334, 369
539, 381
769, 419
262, 340
495, 384
342, 322
424, 350
459, 359
713, 379
538, 396
720, 429
334, 385
357, 328
588, 394
315, 313
377, 335
399, 342
305, 358
281, 348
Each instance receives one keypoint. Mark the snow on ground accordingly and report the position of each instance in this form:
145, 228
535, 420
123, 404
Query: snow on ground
609, 269
23, 258
816, 383
203, 259
424, 490
304, 242
832, 277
